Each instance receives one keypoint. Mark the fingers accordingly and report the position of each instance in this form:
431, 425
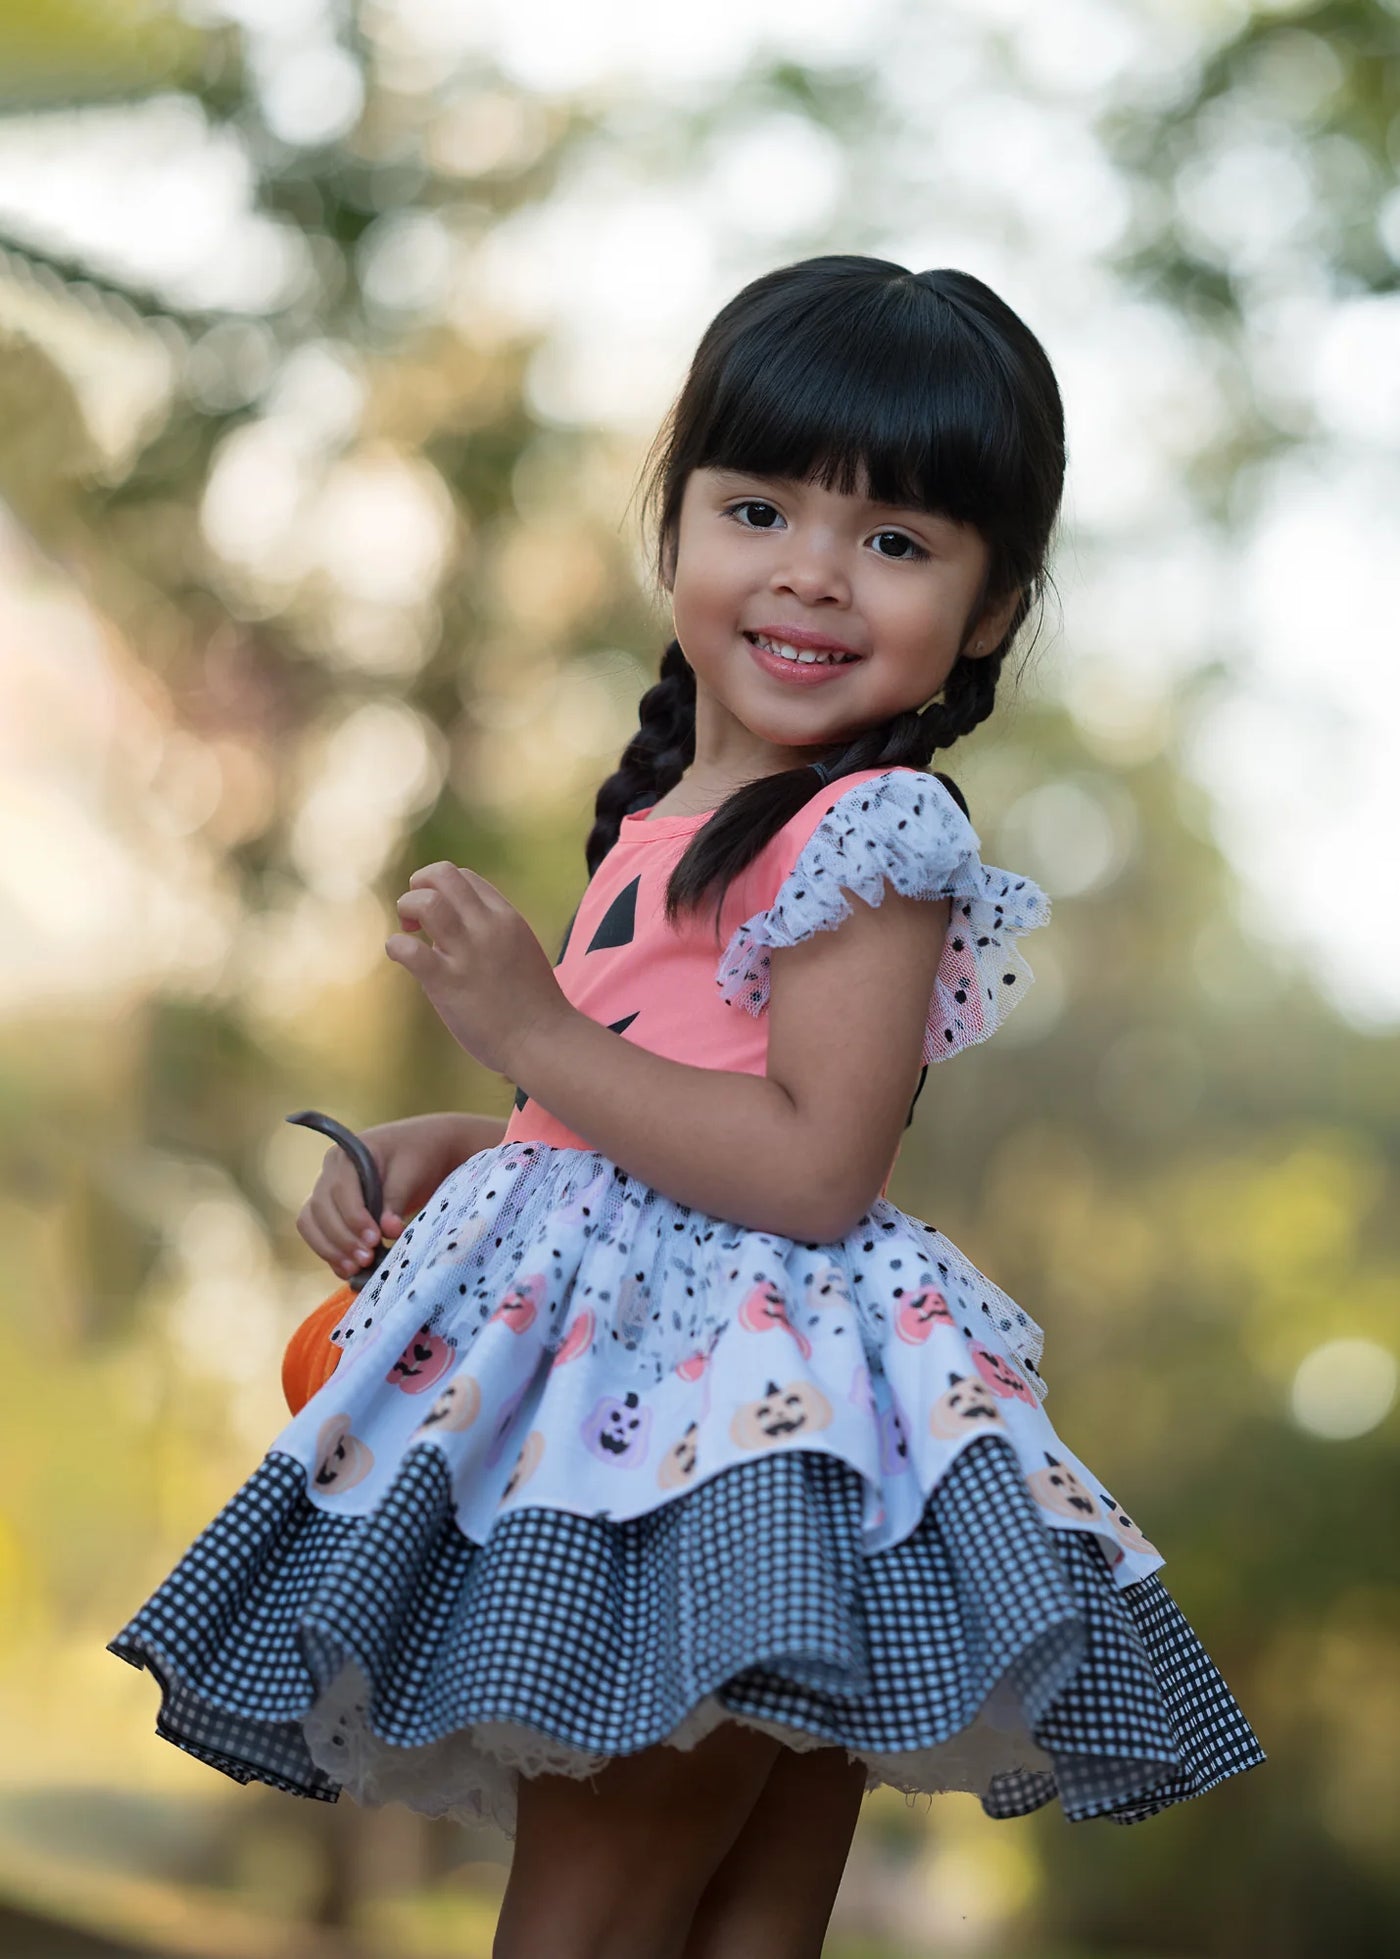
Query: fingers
450, 877
439, 926
430, 874
336, 1224
342, 1246
459, 887
436, 913
438, 898
329, 1242
427, 911
409, 953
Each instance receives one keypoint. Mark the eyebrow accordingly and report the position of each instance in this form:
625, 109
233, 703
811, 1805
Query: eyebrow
737, 476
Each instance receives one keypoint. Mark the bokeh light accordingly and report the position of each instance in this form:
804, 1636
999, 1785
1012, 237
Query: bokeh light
1344, 1388
331, 341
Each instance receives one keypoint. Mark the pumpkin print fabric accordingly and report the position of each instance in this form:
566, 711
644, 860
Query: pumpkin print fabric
598, 1470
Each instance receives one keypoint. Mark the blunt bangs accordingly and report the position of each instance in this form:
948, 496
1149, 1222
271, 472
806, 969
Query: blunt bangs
884, 392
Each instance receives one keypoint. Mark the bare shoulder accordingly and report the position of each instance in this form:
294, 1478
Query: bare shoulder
847, 1009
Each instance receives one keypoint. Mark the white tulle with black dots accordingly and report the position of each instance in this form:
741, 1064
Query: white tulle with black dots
902, 829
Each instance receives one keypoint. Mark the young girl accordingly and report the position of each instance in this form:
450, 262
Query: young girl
674, 1488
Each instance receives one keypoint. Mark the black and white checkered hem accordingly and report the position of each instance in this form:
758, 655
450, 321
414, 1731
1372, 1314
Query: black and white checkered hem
391, 1656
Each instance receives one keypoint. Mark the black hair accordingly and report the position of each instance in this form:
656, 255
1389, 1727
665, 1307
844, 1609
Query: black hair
921, 389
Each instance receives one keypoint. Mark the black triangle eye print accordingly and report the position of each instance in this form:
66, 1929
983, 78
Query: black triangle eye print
618, 924
617, 927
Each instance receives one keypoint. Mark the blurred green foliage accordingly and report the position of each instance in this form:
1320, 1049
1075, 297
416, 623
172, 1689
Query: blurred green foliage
1187, 1172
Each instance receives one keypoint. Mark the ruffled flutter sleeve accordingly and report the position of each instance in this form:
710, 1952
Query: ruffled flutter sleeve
904, 829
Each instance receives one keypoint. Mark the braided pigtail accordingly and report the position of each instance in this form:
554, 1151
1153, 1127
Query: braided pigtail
655, 759
920, 390
742, 825
910, 739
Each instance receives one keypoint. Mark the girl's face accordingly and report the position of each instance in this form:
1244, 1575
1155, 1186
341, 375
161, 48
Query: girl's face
763, 556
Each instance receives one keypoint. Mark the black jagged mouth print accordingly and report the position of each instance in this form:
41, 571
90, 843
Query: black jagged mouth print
578, 1417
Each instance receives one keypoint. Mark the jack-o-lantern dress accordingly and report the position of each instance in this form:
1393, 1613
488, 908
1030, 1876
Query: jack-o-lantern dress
597, 1470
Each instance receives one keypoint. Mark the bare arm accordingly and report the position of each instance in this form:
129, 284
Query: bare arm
727, 1143
801, 1151
450, 1136
465, 1134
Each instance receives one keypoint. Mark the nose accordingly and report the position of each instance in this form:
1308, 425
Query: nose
812, 570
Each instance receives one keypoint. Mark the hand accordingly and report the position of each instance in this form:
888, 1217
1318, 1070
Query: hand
414, 1155
334, 1220
488, 977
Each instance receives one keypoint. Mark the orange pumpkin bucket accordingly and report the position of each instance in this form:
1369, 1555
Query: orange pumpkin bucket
311, 1357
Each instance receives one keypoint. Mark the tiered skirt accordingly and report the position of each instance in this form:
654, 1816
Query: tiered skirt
598, 1471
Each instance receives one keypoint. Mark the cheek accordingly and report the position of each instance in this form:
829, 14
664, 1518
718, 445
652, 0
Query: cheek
931, 598
706, 606
914, 617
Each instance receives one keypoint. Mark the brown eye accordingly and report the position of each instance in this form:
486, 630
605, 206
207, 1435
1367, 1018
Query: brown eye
914, 551
751, 503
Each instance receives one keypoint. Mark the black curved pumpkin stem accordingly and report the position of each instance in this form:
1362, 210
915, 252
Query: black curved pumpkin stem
371, 1185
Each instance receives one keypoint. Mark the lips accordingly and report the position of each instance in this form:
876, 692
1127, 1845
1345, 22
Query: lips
815, 673
800, 640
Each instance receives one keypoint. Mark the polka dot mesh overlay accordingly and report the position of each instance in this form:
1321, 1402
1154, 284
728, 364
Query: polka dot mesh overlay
903, 829
597, 1470
556, 1231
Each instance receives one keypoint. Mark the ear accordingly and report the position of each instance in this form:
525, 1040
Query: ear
990, 630
668, 562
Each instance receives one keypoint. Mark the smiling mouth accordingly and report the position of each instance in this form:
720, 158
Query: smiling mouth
800, 656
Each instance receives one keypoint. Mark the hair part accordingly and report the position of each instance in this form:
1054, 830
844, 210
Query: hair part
923, 389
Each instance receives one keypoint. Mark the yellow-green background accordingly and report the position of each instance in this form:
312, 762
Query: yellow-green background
220, 769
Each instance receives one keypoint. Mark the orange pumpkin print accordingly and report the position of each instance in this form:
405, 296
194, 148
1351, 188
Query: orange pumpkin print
781, 1413
1057, 1488
764, 1308
342, 1460
920, 1314
966, 1405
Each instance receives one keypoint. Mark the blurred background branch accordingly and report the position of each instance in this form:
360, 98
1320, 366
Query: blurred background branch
331, 339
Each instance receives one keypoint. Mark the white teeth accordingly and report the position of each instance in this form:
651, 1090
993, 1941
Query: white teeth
804, 658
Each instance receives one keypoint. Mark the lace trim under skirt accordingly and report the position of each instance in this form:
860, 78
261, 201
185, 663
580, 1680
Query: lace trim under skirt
391, 1656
